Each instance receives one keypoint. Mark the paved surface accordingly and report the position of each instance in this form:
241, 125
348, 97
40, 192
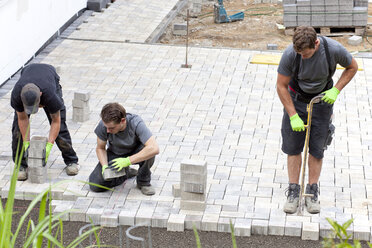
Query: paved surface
223, 110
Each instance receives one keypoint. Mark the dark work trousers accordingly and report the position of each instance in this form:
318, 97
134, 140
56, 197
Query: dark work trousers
63, 139
143, 176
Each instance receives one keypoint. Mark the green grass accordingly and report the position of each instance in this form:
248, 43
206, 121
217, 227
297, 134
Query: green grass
47, 223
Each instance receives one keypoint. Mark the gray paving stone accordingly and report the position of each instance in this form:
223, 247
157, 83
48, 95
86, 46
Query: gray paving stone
193, 220
209, 222
260, 227
110, 217
243, 227
176, 223
310, 231
127, 217
293, 229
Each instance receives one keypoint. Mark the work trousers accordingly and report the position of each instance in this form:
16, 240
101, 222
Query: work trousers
143, 176
63, 139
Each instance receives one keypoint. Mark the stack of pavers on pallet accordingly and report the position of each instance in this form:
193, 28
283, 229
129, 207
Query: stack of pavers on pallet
36, 160
325, 13
80, 105
193, 185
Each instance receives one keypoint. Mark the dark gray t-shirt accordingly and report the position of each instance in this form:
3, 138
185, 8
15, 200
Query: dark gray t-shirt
313, 72
126, 142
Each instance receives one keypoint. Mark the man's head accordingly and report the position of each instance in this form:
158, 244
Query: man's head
114, 116
305, 41
30, 96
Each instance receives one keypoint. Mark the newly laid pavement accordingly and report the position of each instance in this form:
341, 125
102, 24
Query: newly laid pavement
223, 110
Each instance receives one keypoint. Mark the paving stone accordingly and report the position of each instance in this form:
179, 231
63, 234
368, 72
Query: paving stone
127, 218
293, 229
176, 190
223, 224
310, 231
209, 222
110, 217
193, 220
176, 223
193, 205
276, 226
260, 227
243, 227
160, 220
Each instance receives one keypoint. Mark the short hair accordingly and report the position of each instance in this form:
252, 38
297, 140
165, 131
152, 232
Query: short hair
113, 112
304, 38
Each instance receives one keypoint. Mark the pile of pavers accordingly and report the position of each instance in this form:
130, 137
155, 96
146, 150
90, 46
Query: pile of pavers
325, 13
36, 160
193, 185
80, 106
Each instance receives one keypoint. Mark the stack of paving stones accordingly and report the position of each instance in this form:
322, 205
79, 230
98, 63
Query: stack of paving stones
193, 185
36, 160
325, 13
80, 105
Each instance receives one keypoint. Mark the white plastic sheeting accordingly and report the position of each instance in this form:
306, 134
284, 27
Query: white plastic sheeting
25, 25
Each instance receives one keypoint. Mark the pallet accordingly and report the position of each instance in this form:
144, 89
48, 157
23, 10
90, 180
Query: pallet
332, 31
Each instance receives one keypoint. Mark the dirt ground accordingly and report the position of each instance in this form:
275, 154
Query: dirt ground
160, 237
254, 33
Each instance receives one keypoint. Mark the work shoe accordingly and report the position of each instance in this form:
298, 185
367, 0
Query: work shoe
22, 174
132, 173
312, 203
147, 190
292, 193
72, 169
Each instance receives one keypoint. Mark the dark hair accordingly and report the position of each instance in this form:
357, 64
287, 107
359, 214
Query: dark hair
304, 37
113, 112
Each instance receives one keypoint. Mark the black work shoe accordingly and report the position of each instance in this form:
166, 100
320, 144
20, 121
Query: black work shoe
312, 203
22, 174
147, 190
293, 194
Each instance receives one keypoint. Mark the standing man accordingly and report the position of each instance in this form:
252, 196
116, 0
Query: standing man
305, 70
38, 87
129, 142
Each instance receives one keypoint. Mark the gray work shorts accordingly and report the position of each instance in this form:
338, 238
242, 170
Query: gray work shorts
293, 142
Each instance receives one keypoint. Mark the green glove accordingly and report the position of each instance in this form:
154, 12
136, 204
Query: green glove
104, 167
48, 148
296, 123
330, 95
26, 144
120, 163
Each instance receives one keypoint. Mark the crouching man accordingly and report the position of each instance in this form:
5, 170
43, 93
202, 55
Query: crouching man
129, 142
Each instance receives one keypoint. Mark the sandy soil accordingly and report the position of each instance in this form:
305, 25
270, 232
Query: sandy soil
256, 30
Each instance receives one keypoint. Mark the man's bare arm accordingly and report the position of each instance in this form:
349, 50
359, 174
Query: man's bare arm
23, 123
150, 149
101, 151
282, 83
347, 75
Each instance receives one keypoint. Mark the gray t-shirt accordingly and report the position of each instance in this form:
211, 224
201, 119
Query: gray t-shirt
126, 142
313, 72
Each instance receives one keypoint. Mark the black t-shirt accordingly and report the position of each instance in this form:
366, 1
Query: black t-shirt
46, 78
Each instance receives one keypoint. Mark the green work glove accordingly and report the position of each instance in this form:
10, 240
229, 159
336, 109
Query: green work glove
26, 144
104, 167
120, 163
330, 95
296, 123
48, 148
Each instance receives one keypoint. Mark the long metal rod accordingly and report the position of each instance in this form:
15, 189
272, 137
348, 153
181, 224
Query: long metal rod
187, 35
309, 109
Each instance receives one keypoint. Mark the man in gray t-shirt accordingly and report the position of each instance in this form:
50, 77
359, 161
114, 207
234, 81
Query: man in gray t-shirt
305, 70
128, 141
